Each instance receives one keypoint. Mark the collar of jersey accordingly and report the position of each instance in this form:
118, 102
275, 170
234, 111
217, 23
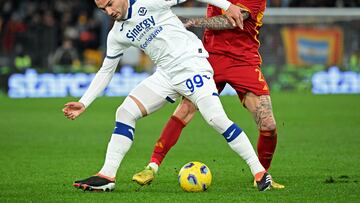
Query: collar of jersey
129, 11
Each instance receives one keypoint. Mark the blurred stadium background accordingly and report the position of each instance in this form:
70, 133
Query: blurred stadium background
306, 46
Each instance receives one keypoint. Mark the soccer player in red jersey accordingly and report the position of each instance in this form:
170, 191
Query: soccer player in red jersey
234, 56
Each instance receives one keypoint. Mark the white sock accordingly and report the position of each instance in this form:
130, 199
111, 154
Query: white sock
242, 146
118, 146
153, 166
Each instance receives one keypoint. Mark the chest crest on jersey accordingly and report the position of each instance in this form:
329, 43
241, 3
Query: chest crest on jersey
142, 11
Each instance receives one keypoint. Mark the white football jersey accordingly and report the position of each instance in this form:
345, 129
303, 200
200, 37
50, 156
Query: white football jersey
155, 29
151, 26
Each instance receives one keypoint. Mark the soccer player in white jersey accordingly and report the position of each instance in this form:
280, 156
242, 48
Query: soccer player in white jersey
182, 70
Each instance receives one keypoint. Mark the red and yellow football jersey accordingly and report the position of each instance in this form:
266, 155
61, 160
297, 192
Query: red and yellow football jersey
242, 45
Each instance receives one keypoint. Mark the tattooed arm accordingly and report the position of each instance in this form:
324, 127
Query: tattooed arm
219, 22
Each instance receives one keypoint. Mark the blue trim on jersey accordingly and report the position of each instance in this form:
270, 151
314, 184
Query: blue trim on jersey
131, 2
232, 132
124, 130
169, 99
215, 94
114, 57
122, 27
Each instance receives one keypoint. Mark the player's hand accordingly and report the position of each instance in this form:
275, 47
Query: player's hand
73, 109
189, 23
233, 14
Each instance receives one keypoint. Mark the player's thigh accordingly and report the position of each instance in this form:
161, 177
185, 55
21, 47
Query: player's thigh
196, 81
213, 112
154, 92
197, 86
201, 90
246, 79
220, 64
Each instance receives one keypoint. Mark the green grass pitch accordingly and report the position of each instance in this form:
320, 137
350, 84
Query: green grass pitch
317, 157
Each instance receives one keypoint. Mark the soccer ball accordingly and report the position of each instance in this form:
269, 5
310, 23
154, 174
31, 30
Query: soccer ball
194, 177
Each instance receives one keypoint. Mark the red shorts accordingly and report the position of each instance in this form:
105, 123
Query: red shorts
242, 77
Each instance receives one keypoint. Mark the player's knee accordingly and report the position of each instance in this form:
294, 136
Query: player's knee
182, 112
214, 114
185, 111
128, 112
268, 124
220, 122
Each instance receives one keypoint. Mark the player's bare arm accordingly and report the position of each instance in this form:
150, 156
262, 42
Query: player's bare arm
219, 22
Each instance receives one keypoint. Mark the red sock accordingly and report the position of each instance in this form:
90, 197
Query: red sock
168, 138
266, 147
